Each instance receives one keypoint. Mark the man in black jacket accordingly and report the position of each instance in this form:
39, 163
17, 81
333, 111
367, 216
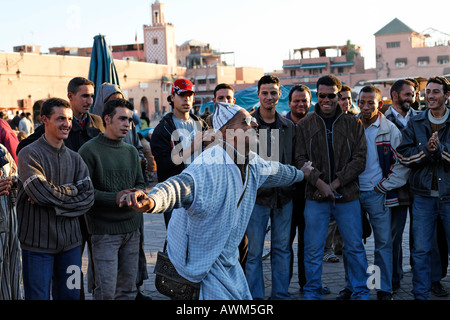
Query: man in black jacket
85, 125
178, 137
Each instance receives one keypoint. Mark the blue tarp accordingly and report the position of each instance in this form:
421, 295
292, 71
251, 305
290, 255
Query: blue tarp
101, 68
248, 98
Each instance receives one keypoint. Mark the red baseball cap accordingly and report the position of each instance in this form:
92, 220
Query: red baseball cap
182, 85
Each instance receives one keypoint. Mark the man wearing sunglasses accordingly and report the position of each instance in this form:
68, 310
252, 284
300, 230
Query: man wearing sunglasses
335, 144
276, 136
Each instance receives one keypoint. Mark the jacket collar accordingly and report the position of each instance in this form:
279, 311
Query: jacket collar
280, 121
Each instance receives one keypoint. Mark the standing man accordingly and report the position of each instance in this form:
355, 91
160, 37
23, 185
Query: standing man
345, 100
54, 189
382, 175
399, 113
223, 92
25, 124
425, 150
335, 144
215, 196
299, 104
85, 126
271, 203
114, 166
179, 135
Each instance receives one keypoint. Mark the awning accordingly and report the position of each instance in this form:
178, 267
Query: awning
343, 64
401, 60
427, 59
211, 76
313, 66
200, 78
291, 66
439, 58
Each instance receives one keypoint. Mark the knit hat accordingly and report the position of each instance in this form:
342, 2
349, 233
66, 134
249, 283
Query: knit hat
223, 113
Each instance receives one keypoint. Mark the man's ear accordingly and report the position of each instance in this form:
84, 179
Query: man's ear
69, 95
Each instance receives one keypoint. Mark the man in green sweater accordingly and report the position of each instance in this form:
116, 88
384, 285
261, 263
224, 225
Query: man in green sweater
114, 169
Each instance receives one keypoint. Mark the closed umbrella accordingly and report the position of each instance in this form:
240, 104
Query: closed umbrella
102, 68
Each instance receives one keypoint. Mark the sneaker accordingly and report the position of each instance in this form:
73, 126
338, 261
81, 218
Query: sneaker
383, 295
344, 294
438, 290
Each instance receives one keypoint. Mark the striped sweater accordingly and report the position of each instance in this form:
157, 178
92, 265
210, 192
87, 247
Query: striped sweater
58, 184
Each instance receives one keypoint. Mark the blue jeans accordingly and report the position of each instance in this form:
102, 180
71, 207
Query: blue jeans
45, 271
380, 220
425, 213
348, 218
280, 250
398, 221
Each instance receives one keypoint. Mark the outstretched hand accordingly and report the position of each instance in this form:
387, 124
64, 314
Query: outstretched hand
137, 200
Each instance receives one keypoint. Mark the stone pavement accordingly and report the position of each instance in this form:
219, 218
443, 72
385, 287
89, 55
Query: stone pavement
332, 276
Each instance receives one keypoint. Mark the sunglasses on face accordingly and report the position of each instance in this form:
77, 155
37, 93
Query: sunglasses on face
249, 120
329, 95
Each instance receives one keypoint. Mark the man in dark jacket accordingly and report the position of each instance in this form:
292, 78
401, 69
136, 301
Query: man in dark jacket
277, 136
85, 125
178, 137
336, 145
425, 150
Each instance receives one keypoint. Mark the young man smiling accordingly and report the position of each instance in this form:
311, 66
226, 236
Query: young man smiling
114, 168
54, 189
277, 136
425, 149
335, 144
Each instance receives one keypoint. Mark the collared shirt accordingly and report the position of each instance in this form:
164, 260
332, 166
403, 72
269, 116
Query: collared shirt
402, 119
373, 174
82, 121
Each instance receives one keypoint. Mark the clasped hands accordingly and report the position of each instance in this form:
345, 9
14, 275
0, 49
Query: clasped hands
136, 199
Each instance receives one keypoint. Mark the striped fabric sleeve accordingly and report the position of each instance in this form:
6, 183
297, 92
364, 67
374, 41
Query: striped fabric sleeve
282, 175
72, 197
175, 192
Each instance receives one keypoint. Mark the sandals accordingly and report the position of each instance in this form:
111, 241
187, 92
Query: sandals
330, 257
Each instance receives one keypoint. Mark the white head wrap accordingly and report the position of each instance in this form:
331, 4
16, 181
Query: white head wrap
223, 113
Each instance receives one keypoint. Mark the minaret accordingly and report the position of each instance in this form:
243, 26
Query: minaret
159, 39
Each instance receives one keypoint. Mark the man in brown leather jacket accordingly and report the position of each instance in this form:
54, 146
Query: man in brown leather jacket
335, 143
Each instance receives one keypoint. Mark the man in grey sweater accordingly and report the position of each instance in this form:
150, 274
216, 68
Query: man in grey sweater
54, 189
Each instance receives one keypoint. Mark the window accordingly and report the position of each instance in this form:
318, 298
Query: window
155, 40
443, 59
293, 73
201, 81
423, 61
400, 62
393, 44
212, 80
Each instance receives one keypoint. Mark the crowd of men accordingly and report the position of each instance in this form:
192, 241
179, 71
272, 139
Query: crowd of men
316, 173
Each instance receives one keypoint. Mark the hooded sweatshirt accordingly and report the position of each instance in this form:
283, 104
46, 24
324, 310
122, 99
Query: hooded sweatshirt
107, 90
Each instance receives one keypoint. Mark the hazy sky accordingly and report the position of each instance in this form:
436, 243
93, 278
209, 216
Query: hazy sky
261, 33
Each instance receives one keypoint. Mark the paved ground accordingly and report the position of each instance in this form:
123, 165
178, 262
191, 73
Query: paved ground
332, 276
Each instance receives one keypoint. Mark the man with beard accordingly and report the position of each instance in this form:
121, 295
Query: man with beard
424, 149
